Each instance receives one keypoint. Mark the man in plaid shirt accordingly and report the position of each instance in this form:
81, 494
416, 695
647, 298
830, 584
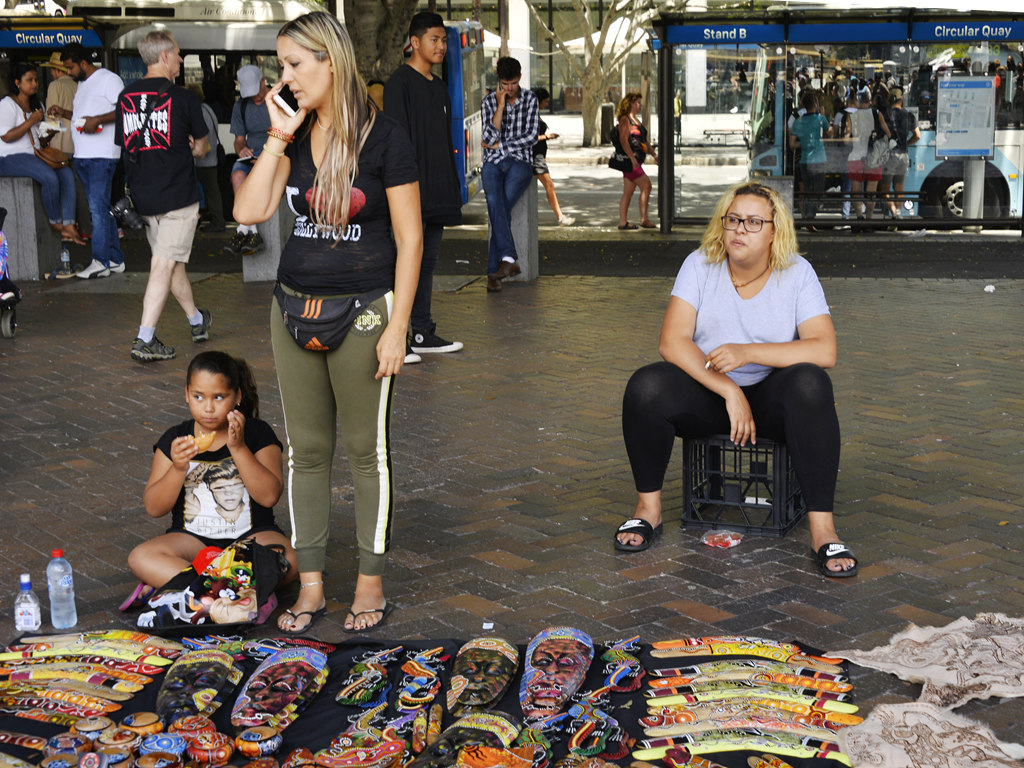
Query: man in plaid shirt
510, 117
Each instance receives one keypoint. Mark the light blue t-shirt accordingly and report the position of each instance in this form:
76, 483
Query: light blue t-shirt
809, 129
771, 317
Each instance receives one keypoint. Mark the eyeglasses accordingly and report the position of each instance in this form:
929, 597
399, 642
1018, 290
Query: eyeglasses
751, 223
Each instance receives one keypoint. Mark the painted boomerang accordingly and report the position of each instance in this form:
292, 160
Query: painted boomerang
733, 741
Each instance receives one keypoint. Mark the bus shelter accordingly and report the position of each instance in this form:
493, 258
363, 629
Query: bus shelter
737, 81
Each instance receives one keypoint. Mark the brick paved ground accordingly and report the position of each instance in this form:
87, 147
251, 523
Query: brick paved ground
512, 476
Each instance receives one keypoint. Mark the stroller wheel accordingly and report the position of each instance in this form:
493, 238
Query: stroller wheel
8, 322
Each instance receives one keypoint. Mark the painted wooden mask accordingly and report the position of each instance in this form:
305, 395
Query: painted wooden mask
556, 664
482, 672
196, 684
280, 688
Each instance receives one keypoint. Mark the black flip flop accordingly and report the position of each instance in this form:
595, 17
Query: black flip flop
385, 611
313, 616
641, 528
836, 550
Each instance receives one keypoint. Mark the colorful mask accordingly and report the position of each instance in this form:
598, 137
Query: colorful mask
363, 745
556, 664
482, 673
280, 688
367, 684
489, 729
196, 684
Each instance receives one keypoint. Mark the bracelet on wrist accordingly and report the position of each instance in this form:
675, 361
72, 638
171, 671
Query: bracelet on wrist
284, 136
271, 152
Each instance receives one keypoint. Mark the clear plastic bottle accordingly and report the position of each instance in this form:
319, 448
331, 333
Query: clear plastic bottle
62, 592
26, 607
65, 260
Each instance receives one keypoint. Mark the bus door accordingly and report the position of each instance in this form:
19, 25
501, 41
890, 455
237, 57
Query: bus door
463, 73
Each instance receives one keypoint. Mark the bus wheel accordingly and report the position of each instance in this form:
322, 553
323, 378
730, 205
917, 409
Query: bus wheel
951, 201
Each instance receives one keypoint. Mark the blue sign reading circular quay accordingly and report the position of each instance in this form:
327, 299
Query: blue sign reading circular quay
48, 38
992, 31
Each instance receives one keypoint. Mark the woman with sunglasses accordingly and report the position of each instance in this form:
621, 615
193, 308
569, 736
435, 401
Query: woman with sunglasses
746, 340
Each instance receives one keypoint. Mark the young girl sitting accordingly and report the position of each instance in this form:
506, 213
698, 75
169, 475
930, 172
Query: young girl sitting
218, 474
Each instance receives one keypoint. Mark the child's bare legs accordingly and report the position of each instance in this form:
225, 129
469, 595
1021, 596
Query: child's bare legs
157, 561
549, 190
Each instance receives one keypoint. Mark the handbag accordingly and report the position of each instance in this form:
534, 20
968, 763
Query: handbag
620, 162
320, 324
52, 156
233, 590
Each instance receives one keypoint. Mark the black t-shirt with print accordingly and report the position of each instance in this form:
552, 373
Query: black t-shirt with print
162, 177
364, 258
213, 502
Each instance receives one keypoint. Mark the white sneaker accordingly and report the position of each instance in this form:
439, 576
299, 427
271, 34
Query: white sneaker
411, 358
96, 269
567, 221
118, 268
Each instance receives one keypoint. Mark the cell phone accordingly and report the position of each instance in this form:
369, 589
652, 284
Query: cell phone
286, 101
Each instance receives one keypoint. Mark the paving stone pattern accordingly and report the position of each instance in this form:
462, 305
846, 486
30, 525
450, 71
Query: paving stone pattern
511, 473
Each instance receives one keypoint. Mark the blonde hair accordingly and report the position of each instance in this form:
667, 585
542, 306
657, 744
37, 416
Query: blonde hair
626, 103
352, 116
155, 43
784, 244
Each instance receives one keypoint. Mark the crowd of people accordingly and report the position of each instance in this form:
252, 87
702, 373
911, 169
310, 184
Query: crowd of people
746, 340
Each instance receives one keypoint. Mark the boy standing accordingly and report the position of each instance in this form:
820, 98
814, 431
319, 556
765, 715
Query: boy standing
419, 101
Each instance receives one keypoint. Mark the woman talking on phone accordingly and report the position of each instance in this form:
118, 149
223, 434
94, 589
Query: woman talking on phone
350, 176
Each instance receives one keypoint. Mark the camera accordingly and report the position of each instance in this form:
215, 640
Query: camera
125, 214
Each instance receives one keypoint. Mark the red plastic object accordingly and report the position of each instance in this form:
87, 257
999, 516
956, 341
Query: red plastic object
206, 554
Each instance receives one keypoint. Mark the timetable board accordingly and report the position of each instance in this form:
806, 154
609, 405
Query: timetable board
965, 117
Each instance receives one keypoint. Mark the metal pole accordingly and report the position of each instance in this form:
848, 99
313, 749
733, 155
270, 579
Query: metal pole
666, 168
551, 59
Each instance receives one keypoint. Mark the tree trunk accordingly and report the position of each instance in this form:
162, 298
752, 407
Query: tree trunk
593, 98
378, 29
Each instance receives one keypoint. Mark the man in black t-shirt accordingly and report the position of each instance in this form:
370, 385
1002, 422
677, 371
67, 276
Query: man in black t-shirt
419, 102
160, 127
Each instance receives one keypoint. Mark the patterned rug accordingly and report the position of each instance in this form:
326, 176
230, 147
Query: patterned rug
968, 659
920, 735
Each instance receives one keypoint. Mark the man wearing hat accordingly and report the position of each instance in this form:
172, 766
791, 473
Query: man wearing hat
250, 122
96, 155
59, 96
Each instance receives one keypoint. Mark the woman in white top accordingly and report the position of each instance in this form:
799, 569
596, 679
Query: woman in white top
20, 114
746, 340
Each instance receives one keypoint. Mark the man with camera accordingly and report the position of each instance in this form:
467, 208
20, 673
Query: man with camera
92, 114
160, 127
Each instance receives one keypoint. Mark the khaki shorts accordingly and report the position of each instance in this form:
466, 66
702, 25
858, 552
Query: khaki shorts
170, 234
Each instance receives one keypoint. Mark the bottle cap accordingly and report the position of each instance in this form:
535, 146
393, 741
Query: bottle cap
57, 553
26, 579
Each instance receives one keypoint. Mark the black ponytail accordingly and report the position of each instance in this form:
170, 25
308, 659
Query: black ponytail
238, 374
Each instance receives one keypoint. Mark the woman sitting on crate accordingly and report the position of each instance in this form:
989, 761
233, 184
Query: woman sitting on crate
746, 338
20, 116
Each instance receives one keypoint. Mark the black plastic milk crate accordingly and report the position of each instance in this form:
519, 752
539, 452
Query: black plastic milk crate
750, 489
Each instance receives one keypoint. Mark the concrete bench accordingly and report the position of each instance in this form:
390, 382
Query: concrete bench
262, 266
33, 247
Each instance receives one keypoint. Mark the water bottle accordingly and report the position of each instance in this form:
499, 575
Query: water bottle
26, 607
62, 592
65, 260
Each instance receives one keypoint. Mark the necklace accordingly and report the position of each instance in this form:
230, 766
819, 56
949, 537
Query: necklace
735, 284
322, 126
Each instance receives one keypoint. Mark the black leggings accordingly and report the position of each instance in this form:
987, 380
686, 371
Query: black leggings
793, 404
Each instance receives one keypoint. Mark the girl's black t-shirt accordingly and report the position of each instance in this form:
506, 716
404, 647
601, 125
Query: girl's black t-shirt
364, 257
214, 502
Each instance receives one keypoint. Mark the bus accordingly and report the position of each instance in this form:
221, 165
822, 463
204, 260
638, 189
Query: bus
463, 73
916, 50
